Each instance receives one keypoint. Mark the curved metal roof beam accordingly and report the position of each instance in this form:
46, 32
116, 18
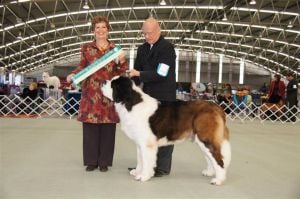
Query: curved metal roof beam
137, 31
147, 8
243, 54
78, 53
187, 45
218, 22
49, 62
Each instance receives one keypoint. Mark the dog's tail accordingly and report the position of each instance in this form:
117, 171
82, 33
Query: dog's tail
226, 153
221, 145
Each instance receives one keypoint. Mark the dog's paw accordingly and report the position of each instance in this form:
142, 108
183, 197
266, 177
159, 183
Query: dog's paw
208, 172
137, 177
145, 178
133, 172
216, 181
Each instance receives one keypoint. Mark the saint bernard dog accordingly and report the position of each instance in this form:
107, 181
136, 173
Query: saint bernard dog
151, 125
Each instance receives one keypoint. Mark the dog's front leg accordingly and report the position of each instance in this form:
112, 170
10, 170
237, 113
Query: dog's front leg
148, 154
138, 169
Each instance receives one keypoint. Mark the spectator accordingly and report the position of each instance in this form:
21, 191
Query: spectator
263, 89
276, 91
30, 92
291, 96
242, 98
209, 93
225, 100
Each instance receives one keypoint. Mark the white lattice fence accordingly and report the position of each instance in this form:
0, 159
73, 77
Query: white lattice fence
252, 112
60, 107
56, 107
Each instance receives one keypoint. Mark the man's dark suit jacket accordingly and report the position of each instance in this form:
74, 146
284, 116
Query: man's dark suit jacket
147, 61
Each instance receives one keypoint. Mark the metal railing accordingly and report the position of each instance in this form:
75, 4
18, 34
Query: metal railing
14, 106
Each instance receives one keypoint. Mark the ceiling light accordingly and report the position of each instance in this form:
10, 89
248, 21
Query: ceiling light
52, 25
224, 18
86, 5
20, 36
290, 25
89, 22
18, 20
162, 3
252, 2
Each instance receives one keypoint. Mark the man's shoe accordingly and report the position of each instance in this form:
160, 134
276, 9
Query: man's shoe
90, 168
159, 173
103, 168
130, 168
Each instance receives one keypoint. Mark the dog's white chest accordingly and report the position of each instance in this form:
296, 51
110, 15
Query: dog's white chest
135, 123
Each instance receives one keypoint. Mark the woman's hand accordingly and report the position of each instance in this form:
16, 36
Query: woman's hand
69, 77
122, 57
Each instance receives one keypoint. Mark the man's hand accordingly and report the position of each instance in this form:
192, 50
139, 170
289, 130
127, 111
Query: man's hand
133, 73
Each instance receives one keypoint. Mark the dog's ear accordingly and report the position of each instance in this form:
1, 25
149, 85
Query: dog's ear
115, 91
136, 80
124, 93
122, 89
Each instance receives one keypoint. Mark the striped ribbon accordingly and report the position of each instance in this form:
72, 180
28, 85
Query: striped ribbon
96, 65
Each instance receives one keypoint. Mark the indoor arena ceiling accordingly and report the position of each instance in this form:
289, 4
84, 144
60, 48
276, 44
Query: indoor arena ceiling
35, 33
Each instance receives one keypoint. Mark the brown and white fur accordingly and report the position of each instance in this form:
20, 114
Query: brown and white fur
275, 109
151, 125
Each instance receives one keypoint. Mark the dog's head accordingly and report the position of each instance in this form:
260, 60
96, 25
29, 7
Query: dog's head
120, 89
45, 75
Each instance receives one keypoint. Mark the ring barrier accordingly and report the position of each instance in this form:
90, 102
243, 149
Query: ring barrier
15, 106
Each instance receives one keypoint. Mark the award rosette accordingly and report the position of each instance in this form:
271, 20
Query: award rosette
96, 65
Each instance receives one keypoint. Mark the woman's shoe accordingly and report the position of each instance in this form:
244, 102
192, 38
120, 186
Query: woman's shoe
103, 168
90, 168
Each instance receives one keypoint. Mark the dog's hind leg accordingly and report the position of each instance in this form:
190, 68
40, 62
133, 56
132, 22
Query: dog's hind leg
219, 170
209, 171
226, 151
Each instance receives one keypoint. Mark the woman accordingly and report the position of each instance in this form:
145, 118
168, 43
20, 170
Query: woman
96, 112
276, 91
30, 92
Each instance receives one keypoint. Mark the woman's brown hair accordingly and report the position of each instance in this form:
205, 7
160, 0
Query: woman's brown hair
277, 76
99, 19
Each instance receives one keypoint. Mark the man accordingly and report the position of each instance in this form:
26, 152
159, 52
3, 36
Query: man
154, 67
291, 97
